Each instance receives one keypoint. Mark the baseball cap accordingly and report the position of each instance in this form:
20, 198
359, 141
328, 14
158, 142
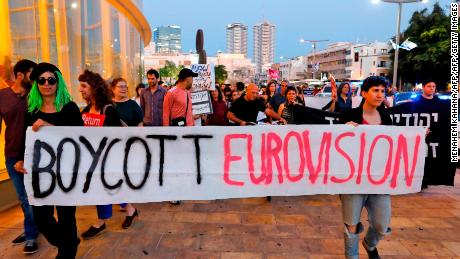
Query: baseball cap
185, 72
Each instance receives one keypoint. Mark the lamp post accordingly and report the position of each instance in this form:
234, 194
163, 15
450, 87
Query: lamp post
398, 25
314, 52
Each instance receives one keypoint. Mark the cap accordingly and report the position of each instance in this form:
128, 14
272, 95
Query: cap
185, 72
42, 68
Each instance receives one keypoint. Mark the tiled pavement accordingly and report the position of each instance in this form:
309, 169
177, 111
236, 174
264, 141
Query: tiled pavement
425, 225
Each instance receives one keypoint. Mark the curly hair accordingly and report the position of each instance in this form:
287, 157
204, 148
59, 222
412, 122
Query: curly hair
99, 88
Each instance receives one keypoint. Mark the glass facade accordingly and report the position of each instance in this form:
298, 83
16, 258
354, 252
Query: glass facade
105, 36
167, 39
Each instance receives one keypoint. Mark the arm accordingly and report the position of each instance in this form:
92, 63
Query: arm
231, 116
280, 109
142, 101
274, 115
166, 109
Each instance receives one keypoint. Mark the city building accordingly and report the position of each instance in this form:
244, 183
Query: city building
293, 69
167, 39
370, 60
105, 36
237, 39
334, 59
159, 60
346, 60
264, 45
239, 67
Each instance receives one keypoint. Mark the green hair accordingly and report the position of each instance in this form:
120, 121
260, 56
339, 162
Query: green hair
62, 95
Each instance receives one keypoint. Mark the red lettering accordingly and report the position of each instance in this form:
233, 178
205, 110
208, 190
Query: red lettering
362, 149
297, 136
402, 149
346, 156
273, 152
228, 158
325, 148
388, 164
254, 179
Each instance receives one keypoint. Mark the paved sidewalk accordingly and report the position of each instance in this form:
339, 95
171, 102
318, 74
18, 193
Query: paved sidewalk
425, 225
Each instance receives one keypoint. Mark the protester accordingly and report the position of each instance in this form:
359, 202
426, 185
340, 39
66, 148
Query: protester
280, 97
152, 99
300, 97
219, 109
227, 92
129, 111
50, 104
13, 108
378, 206
245, 110
285, 110
270, 91
341, 101
177, 106
99, 112
163, 85
431, 103
240, 87
235, 95
131, 114
137, 98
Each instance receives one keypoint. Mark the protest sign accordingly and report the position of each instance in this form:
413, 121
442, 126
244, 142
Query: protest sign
205, 79
101, 165
201, 103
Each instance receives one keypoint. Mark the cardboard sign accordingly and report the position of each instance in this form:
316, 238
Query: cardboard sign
206, 77
101, 165
201, 102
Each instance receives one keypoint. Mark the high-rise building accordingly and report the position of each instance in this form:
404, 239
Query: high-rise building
167, 39
237, 39
264, 44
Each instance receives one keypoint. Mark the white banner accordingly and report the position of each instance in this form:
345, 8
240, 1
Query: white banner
101, 165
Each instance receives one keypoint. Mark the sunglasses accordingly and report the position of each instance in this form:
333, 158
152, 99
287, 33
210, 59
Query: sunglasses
51, 80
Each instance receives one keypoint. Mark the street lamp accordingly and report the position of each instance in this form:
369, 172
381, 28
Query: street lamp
314, 52
398, 25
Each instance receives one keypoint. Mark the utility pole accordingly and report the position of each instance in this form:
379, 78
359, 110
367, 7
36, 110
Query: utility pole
314, 53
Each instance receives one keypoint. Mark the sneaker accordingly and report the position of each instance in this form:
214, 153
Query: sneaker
129, 220
19, 239
174, 202
30, 247
372, 254
93, 232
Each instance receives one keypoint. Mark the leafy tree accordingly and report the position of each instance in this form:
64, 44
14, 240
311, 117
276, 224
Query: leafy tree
220, 73
431, 58
170, 71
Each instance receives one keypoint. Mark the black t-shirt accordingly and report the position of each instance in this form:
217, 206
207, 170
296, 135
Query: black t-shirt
68, 116
247, 111
130, 112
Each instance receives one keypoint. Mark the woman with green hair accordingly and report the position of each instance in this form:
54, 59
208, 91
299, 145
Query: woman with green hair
50, 104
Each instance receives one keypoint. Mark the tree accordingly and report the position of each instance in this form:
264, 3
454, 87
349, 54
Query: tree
170, 71
431, 58
221, 74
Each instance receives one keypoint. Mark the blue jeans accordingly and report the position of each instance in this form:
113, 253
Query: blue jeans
30, 228
105, 211
378, 208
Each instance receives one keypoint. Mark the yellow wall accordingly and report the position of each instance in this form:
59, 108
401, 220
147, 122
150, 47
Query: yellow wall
3, 174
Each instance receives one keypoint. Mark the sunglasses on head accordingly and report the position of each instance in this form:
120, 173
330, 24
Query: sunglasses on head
42, 80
